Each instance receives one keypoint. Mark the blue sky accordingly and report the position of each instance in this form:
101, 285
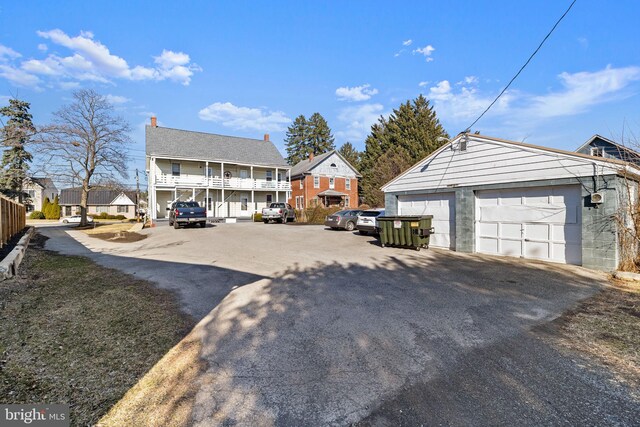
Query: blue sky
249, 68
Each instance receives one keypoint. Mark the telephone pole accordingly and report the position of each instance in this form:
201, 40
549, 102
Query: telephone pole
137, 197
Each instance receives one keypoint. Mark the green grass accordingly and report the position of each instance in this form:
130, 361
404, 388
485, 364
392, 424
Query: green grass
74, 332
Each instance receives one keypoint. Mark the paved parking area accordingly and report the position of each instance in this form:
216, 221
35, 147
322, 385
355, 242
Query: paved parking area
306, 326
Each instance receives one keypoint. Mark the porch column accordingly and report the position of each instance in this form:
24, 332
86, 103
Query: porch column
206, 201
253, 185
151, 197
206, 173
193, 193
222, 175
277, 185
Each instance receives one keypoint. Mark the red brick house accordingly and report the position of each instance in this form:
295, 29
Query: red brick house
326, 180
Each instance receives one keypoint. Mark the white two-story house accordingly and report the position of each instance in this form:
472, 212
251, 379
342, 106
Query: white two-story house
232, 177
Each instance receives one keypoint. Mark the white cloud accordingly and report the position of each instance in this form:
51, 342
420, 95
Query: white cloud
583, 90
117, 99
584, 42
425, 51
43, 47
18, 76
357, 121
578, 93
469, 80
235, 117
423, 84
8, 53
90, 60
407, 42
357, 93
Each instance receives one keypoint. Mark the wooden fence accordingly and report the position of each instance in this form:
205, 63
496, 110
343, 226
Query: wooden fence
13, 219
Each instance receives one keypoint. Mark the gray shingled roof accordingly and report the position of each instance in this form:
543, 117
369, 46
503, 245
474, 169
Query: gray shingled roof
43, 182
306, 165
184, 144
102, 197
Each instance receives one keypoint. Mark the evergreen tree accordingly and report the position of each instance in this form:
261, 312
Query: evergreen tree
53, 209
46, 206
296, 140
409, 134
350, 154
319, 139
14, 135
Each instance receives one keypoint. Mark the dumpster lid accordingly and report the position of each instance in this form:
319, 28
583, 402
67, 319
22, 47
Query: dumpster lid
405, 217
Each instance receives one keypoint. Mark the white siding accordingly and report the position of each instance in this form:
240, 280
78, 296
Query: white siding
442, 207
341, 169
540, 223
490, 162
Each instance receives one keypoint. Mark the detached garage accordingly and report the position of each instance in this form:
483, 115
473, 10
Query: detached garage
500, 197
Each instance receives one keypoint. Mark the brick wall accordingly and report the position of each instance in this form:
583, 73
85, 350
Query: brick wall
309, 192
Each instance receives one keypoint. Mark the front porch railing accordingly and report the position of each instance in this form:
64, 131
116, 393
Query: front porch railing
216, 182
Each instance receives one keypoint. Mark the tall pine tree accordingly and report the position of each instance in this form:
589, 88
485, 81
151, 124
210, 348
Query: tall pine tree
320, 139
296, 140
409, 134
351, 155
14, 135
308, 136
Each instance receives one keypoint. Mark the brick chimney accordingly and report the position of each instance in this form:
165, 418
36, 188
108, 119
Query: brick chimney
311, 157
266, 137
154, 122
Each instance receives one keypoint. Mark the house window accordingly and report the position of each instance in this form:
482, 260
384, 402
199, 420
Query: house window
597, 151
244, 203
333, 165
279, 176
123, 209
301, 183
67, 211
347, 202
316, 182
347, 184
175, 169
269, 175
332, 183
244, 173
32, 194
100, 209
209, 172
269, 198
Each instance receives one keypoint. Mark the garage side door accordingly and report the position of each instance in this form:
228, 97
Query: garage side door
540, 223
442, 207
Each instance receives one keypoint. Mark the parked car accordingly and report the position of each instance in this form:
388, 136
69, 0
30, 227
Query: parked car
184, 213
367, 222
345, 220
279, 212
74, 219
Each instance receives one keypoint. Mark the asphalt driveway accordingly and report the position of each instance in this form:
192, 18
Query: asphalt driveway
306, 326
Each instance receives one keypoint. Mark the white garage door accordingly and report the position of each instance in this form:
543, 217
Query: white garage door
540, 223
442, 207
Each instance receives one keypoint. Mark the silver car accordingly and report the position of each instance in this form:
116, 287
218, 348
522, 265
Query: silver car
345, 220
367, 222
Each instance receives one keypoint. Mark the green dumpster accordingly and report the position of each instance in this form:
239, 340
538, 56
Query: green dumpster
405, 231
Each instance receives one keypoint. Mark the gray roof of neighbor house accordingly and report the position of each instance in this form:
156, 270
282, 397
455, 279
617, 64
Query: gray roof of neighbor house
43, 182
102, 197
185, 144
307, 165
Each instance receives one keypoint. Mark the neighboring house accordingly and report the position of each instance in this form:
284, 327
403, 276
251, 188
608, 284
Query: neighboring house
113, 202
231, 176
38, 189
326, 180
501, 197
599, 146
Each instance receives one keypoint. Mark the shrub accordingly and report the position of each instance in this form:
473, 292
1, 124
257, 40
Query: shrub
317, 214
121, 217
257, 217
36, 215
51, 210
103, 215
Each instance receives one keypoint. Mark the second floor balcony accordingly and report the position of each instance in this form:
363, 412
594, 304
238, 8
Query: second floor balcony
219, 183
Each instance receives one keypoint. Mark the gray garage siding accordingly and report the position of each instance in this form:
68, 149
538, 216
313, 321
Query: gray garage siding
599, 237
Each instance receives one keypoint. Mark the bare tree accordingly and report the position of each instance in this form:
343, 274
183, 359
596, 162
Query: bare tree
86, 142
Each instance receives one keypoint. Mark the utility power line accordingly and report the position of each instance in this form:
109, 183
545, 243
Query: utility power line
524, 66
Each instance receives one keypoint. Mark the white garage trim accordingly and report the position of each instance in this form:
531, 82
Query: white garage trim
443, 208
539, 223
